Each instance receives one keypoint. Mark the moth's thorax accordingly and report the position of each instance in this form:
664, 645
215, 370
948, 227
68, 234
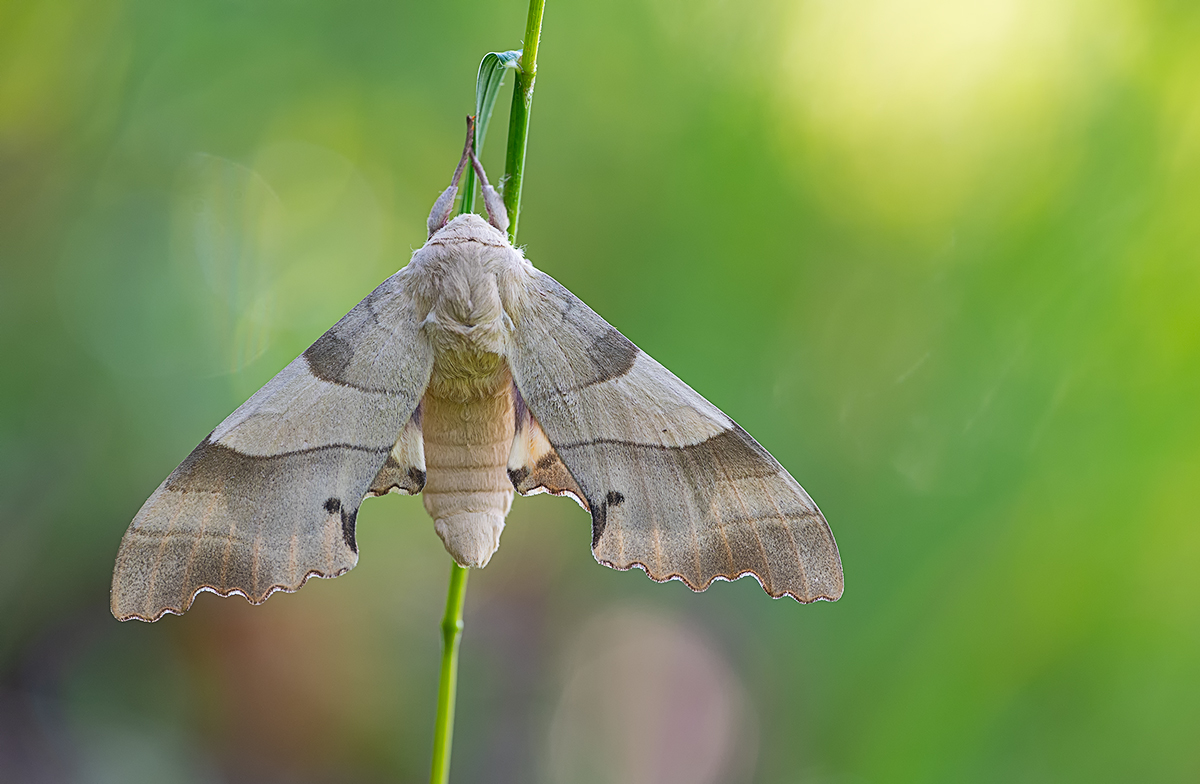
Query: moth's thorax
467, 279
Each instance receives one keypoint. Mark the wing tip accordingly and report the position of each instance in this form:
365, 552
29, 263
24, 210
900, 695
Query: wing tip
159, 613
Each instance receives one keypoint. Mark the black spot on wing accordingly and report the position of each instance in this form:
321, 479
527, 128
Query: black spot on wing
517, 476
599, 520
334, 506
600, 516
417, 477
348, 519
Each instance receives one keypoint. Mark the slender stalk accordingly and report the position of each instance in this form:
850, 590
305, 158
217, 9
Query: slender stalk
468, 180
452, 626
468, 192
514, 169
518, 118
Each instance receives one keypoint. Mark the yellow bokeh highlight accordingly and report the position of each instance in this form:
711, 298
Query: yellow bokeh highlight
51, 57
906, 110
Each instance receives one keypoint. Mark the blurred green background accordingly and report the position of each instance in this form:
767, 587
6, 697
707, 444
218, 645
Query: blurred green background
940, 257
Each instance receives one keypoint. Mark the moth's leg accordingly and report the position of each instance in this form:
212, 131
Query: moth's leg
444, 205
497, 213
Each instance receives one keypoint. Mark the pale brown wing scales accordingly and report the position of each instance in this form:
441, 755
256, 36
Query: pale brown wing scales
271, 497
673, 485
219, 523
718, 509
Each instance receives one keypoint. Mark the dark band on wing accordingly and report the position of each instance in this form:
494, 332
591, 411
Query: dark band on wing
330, 356
211, 465
613, 354
732, 453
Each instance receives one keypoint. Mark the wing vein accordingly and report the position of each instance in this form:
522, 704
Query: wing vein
783, 520
751, 522
187, 572
150, 583
228, 552
692, 515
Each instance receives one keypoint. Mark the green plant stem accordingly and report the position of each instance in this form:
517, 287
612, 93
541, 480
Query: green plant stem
518, 118
468, 192
514, 169
452, 626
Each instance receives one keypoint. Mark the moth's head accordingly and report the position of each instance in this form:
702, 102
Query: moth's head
469, 227
439, 216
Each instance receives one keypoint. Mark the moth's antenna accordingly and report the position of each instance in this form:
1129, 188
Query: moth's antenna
497, 213
468, 151
445, 203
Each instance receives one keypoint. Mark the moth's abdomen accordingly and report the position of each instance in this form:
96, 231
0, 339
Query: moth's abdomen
467, 490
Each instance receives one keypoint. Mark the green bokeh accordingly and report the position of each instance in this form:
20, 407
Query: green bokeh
943, 259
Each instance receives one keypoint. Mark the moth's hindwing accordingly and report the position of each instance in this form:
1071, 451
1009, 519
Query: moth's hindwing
533, 465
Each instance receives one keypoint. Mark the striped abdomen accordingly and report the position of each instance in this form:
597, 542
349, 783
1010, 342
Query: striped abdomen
468, 432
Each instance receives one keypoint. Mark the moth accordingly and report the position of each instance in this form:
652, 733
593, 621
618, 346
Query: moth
466, 376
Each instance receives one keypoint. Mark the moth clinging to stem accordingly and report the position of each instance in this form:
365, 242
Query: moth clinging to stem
465, 376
